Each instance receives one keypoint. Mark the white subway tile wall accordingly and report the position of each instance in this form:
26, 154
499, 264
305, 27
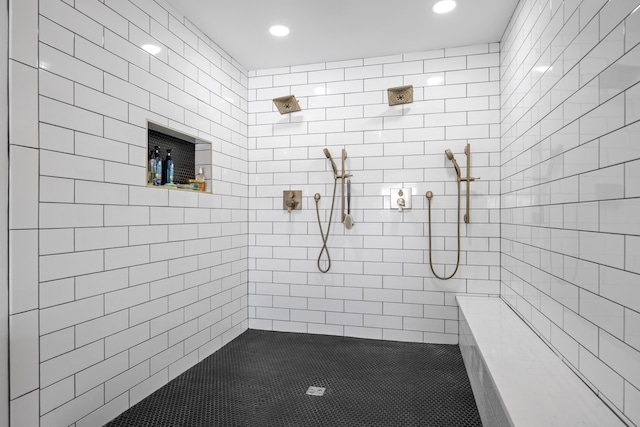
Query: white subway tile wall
380, 284
117, 288
569, 211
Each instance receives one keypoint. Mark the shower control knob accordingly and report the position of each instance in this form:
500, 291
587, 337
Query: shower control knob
401, 203
291, 204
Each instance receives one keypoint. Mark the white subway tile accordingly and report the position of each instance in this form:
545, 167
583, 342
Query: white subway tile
65, 315
23, 277
64, 115
51, 86
130, 12
23, 353
601, 184
99, 283
126, 339
23, 104
105, 413
56, 292
162, 33
66, 265
381, 84
104, 15
70, 18
126, 215
23, 31
23, 205
632, 253
615, 79
445, 64
126, 380
403, 68
326, 76
54, 241
25, 409
620, 357
603, 377
100, 328
602, 312
54, 370
619, 286
147, 81
126, 257
55, 35
77, 408
466, 76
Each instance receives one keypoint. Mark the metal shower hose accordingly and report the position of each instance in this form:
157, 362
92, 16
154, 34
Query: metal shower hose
325, 238
430, 258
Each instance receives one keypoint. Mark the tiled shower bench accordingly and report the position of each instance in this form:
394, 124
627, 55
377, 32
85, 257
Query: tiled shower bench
516, 378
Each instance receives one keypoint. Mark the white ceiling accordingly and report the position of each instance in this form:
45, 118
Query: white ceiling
333, 30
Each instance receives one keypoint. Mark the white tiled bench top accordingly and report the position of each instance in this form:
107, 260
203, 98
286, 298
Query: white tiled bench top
533, 385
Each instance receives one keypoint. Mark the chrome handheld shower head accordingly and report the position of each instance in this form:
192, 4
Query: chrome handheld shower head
453, 159
333, 164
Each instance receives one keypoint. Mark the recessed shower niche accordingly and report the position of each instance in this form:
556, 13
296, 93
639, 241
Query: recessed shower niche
190, 157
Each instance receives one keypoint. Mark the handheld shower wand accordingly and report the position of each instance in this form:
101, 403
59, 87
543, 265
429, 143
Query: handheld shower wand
453, 159
333, 164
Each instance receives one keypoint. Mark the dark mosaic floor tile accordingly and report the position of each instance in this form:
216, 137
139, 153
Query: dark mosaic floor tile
261, 379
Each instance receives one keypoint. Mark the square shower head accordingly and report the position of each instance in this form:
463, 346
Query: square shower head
400, 95
287, 104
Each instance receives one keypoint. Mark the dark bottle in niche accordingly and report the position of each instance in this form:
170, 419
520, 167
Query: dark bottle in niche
167, 169
158, 166
151, 172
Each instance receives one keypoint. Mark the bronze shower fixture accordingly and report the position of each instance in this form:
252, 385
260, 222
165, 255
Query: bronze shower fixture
287, 104
429, 195
400, 95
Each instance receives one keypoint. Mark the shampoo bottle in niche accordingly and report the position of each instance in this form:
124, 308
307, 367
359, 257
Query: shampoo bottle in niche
200, 175
157, 160
151, 170
167, 176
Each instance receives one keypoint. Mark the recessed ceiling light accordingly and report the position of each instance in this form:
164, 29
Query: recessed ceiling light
444, 6
151, 48
279, 30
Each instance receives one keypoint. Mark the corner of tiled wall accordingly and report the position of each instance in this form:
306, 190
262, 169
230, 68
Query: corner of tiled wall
23, 213
4, 212
116, 288
570, 167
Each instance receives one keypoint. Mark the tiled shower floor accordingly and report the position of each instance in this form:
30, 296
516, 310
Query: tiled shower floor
261, 379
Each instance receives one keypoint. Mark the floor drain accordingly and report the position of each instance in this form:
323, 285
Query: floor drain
316, 391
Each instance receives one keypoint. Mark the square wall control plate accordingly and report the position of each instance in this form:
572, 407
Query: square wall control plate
400, 198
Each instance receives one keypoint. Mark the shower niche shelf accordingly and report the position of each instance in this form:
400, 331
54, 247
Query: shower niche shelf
189, 154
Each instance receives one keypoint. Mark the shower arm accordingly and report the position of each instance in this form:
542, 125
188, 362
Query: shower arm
468, 179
